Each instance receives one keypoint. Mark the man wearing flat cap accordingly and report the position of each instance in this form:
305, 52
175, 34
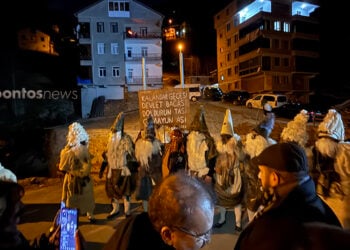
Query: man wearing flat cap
291, 202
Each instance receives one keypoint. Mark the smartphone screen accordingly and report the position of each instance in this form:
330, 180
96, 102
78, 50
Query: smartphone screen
69, 224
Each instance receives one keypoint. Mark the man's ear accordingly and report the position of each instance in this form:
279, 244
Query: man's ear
275, 179
165, 233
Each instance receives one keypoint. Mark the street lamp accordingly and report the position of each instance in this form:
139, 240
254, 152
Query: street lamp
181, 63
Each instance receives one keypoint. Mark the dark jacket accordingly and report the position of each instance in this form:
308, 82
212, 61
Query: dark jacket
283, 225
135, 233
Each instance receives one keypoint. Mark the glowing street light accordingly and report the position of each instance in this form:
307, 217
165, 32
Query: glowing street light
181, 63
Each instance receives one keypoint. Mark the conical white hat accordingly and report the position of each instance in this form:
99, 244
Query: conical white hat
227, 125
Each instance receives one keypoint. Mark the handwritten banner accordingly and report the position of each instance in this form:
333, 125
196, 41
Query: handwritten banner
169, 106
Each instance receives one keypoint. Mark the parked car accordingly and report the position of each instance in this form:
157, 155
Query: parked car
212, 93
290, 110
258, 101
194, 90
237, 97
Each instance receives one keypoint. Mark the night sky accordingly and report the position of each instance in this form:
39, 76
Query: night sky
334, 36
42, 13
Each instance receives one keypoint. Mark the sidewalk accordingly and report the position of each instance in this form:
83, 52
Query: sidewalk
42, 202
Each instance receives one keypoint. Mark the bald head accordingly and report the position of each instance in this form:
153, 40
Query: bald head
178, 198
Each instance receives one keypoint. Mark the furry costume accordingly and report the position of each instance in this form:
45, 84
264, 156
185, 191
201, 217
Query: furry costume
332, 160
200, 147
256, 141
196, 149
75, 161
227, 173
7, 174
228, 178
296, 130
330, 133
148, 152
122, 166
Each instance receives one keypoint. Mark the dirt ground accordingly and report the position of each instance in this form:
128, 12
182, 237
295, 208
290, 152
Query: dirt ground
98, 129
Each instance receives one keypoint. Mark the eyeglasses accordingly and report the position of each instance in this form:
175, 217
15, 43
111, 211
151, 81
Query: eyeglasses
204, 238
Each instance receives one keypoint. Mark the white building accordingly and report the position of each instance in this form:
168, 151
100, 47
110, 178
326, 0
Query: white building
120, 50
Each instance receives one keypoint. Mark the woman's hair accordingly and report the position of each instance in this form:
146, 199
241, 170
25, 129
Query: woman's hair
176, 198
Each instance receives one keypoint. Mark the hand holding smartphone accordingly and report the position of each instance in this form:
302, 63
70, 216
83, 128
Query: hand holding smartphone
69, 224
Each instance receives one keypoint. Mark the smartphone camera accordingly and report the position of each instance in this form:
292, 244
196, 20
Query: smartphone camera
69, 224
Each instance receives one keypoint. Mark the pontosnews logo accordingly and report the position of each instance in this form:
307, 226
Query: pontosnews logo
39, 94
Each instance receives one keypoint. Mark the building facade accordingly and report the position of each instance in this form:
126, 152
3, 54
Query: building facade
268, 46
120, 50
35, 40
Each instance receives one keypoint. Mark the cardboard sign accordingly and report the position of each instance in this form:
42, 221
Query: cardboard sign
169, 107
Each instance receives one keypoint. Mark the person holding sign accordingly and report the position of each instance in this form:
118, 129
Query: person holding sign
175, 156
148, 152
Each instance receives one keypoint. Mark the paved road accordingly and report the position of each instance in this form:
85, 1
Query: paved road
42, 200
42, 203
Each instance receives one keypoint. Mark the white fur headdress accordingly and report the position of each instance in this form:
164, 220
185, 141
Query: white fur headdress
76, 134
296, 129
332, 126
7, 175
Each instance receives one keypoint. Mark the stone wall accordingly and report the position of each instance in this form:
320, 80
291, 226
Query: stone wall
97, 128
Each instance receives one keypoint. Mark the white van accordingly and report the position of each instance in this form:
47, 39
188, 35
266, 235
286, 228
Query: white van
258, 101
193, 89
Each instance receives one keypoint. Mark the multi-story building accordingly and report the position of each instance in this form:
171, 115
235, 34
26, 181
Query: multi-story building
121, 50
35, 40
268, 46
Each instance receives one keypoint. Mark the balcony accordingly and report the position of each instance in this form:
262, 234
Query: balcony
147, 35
138, 57
137, 81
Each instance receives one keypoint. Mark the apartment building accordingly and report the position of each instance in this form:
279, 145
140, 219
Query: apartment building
120, 50
35, 40
268, 46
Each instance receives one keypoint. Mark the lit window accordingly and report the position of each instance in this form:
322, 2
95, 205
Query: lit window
101, 48
114, 49
277, 25
286, 27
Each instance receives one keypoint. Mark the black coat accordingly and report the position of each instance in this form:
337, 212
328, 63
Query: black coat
283, 226
135, 233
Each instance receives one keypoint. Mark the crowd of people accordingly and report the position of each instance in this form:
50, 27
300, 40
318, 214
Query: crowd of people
281, 184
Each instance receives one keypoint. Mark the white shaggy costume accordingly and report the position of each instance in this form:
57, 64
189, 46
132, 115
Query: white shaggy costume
7, 174
228, 178
148, 152
296, 131
121, 163
75, 161
200, 148
332, 160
